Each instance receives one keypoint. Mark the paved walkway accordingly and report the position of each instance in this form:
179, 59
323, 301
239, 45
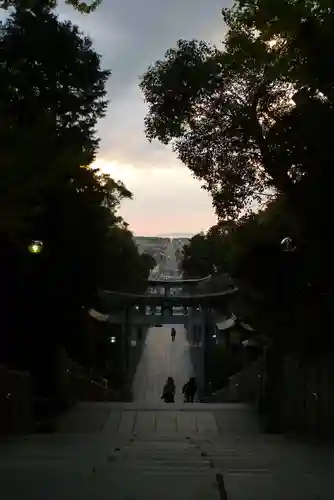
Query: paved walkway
162, 358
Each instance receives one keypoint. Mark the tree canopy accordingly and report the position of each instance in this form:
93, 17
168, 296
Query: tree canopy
213, 113
300, 35
52, 93
251, 120
221, 109
83, 7
205, 254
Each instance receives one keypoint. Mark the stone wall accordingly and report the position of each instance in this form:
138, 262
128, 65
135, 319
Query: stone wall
307, 395
244, 386
136, 346
16, 402
78, 384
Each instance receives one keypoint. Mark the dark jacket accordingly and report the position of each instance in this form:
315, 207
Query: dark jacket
190, 387
168, 392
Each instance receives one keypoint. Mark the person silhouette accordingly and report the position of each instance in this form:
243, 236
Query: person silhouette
189, 390
168, 393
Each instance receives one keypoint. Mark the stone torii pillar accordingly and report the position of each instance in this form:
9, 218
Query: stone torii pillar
125, 339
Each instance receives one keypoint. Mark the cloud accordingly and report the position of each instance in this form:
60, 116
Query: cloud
130, 35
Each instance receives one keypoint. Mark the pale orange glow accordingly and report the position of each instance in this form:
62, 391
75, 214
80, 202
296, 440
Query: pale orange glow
165, 200
116, 170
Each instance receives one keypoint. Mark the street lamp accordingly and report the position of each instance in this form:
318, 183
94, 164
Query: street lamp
288, 244
35, 247
266, 403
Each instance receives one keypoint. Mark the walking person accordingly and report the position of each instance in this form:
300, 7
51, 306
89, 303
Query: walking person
173, 334
168, 393
189, 390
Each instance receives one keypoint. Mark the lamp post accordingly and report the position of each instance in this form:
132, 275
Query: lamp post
273, 355
288, 245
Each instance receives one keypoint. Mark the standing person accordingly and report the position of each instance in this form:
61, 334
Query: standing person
168, 393
173, 333
189, 390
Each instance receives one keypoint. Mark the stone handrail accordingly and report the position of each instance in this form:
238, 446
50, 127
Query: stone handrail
86, 389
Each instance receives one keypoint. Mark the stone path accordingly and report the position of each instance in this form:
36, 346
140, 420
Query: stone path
162, 358
184, 452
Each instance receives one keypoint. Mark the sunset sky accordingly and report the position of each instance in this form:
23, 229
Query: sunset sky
130, 35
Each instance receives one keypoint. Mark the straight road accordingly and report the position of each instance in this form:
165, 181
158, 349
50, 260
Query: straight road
161, 357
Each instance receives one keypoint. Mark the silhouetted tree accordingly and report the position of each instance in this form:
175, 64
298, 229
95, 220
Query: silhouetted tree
52, 92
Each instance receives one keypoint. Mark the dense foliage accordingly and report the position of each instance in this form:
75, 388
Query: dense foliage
206, 253
252, 121
52, 92
83, 7
225, 111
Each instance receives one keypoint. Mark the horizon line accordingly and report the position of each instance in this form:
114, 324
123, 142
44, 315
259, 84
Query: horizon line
165, 235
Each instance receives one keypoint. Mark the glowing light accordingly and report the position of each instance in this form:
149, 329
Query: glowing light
112, 340
35, 246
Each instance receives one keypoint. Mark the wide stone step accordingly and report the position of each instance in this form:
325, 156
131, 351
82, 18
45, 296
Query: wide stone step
173, 469
166, 462
158, 453
153, 485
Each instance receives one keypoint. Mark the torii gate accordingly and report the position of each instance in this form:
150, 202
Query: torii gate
167, 284
131, 307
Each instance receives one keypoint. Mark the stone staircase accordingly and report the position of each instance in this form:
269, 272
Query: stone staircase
161, 469
123, 451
